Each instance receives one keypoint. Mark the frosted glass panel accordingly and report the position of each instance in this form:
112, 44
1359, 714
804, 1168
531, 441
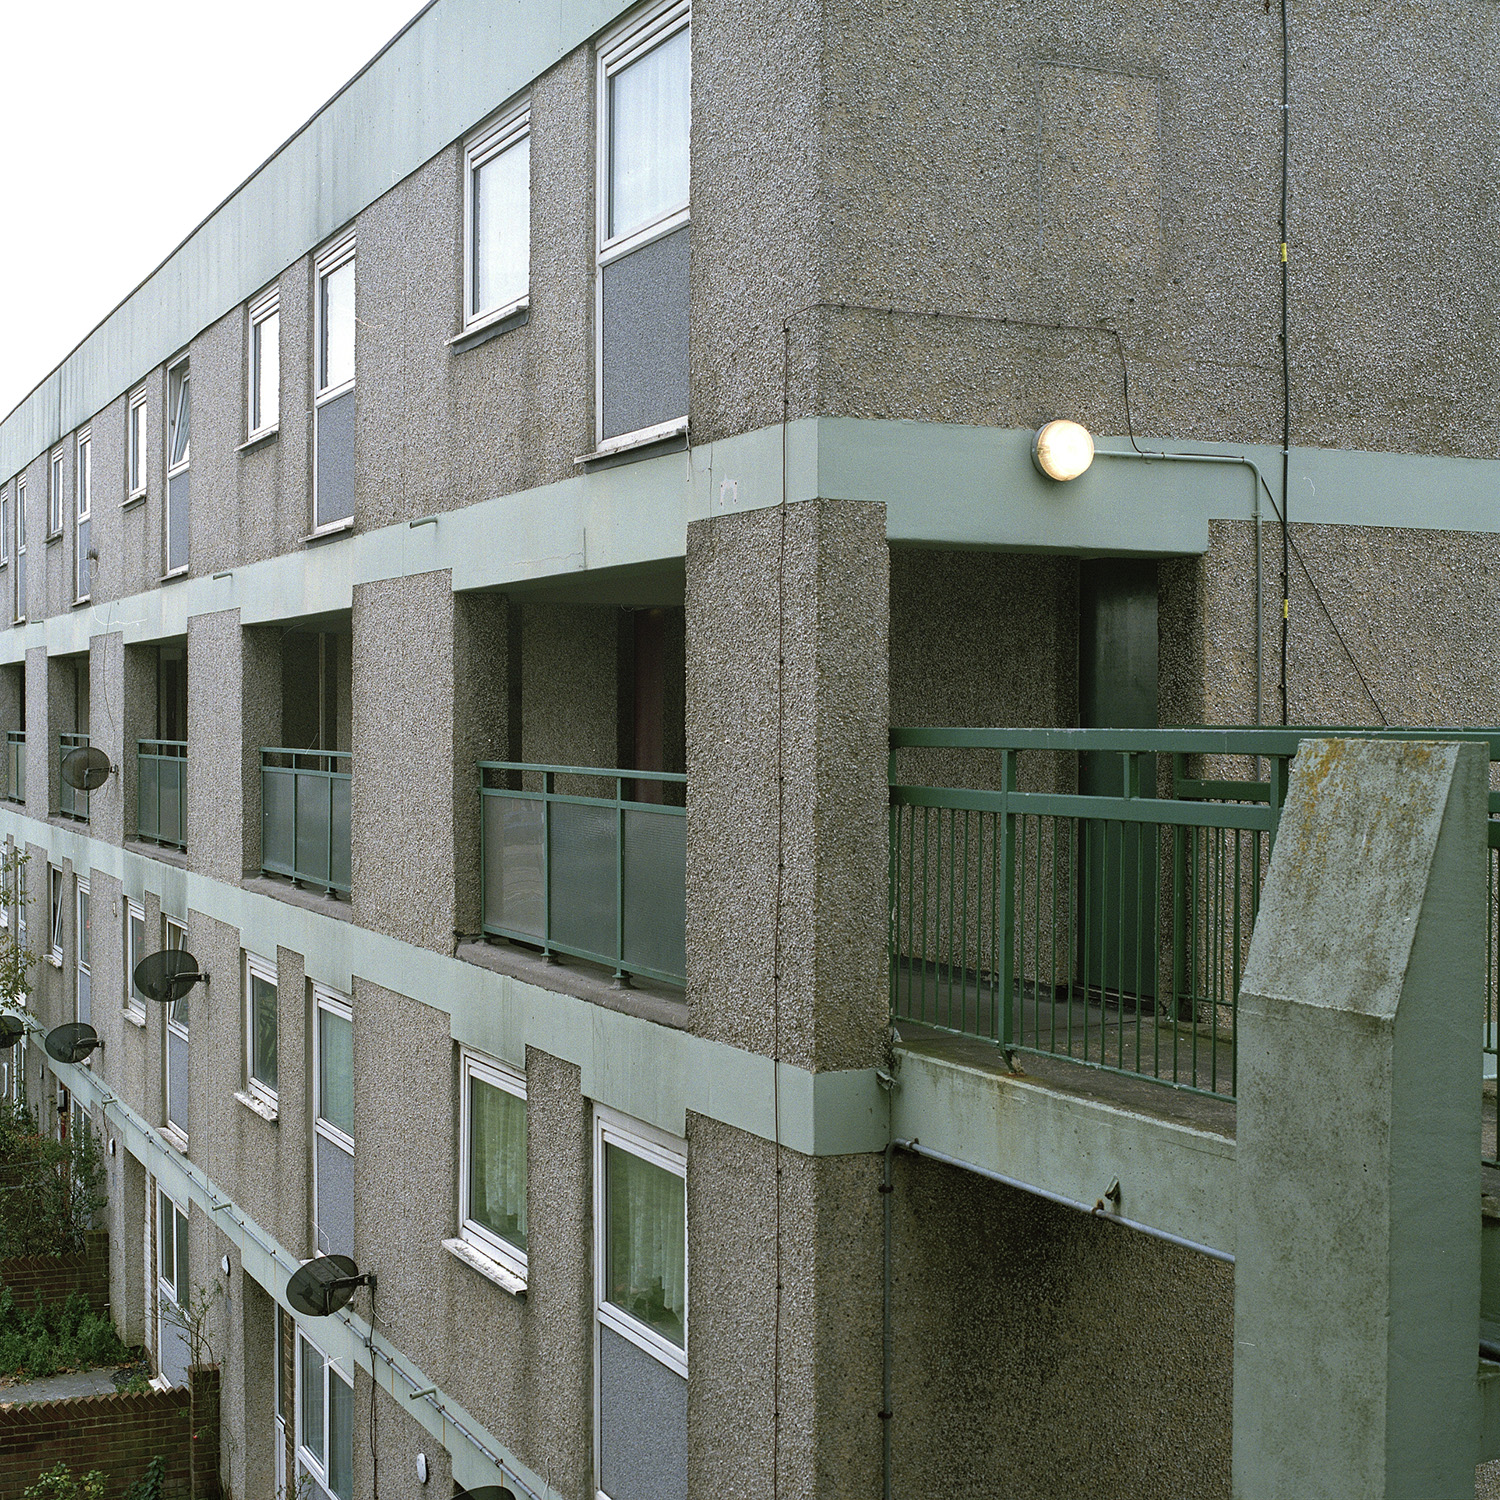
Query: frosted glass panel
312, 827
513, 865
178, 497
336, 1070
170, 772
656, 891
148, 812
648, 118
277, 790
335, 1199
582, 877
340, 800
177, 1080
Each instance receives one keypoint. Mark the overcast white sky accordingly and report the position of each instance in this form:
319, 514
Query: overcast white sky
123, 124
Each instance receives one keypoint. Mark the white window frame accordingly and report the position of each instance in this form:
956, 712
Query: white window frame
55, 914
331, 1370
509, 130
662, 1150
258, 968
331, 1000
135, 445
6, 501
54, 493
265, 307
170, 416
617, 50
510, 1081
168, 1291
134, 912
83, 502
174, 927
335, 257
20, 599
83, 962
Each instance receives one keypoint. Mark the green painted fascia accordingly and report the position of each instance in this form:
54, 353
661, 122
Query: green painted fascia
651, 1072
942, 486
457, 62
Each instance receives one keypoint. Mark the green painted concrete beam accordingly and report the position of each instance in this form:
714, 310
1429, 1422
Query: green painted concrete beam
651, 1072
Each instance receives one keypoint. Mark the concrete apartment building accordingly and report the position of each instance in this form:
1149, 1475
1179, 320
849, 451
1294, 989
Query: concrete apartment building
493, 552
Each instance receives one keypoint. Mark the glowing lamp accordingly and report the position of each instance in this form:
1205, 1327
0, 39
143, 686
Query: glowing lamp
1062, 450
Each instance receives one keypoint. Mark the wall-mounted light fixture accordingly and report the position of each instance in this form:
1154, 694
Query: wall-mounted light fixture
1062, 449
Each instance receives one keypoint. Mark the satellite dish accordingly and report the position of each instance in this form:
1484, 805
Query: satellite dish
12, 1029
168, 975
86, 769
72, 1042
324, 1285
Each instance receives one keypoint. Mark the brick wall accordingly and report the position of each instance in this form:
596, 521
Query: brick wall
116, 1434
54, 1277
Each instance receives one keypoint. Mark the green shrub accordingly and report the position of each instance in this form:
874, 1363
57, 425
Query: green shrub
66, 1336
151, 1484
50, 1191
61, 1483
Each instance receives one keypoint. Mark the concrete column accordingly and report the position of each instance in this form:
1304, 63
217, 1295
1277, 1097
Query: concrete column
1358, 1224
41, 769
438, 702
234, 708
788, 617
106, 665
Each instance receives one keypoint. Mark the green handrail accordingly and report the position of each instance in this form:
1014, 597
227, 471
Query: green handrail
15, 765
1107, 924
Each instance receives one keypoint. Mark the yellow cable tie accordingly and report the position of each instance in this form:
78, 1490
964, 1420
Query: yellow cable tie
1286, 609
1283, 252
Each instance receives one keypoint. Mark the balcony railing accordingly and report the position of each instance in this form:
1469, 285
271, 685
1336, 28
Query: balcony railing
1108, 926
71, 802
15, 765
305, 817
597, 877
161, 792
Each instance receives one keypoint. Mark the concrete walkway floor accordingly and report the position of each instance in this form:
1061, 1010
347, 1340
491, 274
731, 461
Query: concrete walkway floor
99, 1382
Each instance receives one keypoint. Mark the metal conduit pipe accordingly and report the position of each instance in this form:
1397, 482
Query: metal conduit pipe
1249, 463
917, 1149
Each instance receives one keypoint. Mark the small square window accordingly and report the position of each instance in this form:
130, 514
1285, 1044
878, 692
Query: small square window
497, 220
83, 572
265, 364
179, 417
336, 326
494, 1161
260, 1027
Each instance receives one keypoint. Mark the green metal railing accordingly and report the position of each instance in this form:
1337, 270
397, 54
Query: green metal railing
1110, 925
71, 802
597, 877
15, 765
161, 791
305, 817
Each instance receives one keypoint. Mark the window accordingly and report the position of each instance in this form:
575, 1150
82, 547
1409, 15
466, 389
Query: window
84, 492
55, 895
325, 1420
640, 1212
177, 1045
493, 1169
179, 453
265, 364
333, 387
135, 446
644, 114
135, 951
173, 1270
497, 220
641, 285
20, 578
260, 1027
85, 991
21, 903
333, 1128
55, 495
5, 525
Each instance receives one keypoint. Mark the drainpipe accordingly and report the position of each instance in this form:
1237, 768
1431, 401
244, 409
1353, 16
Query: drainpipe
886, 1189
1249, 463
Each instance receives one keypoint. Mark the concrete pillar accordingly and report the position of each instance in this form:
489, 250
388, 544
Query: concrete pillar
106, 667
41, 768
1358, 1223
234, 708
439, 701
788, 619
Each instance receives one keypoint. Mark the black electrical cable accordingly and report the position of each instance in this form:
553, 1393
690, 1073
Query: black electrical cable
374, 1451
1286, 377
